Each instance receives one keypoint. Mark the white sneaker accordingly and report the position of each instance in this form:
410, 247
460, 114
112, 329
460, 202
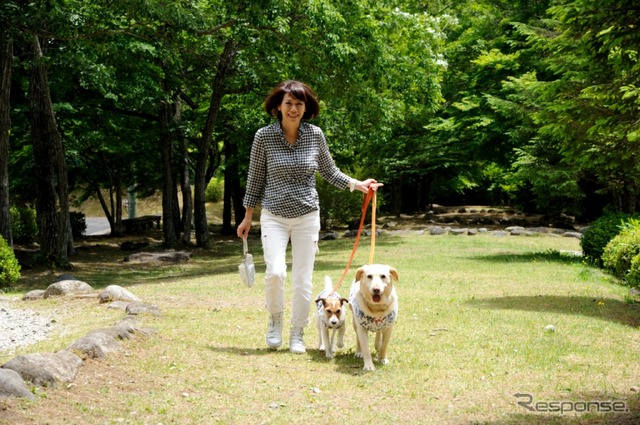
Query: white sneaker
296, 341
274, 331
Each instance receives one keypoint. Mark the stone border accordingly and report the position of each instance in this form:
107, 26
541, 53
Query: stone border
49, 369
435, 230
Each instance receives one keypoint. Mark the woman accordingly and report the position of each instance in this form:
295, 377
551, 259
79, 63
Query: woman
284, 159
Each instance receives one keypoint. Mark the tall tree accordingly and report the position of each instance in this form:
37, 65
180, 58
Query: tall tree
9, 20
204, 145
52, 206
6, 59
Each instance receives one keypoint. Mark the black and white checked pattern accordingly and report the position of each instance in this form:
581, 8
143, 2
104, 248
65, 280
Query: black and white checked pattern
282, 176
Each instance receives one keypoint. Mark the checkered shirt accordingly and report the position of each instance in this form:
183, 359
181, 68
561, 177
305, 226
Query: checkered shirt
282, 176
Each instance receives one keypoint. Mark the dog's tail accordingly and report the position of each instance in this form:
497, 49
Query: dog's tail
328, 284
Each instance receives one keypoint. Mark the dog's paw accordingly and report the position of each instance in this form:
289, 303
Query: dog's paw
369, 367
328, 355
340, 344
358, 355
321, 347
384, 361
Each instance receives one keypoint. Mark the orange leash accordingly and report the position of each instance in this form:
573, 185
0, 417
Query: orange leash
365, 203
373, 228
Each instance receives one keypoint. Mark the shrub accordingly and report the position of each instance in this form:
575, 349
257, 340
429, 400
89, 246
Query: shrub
598, 235
214, 190
9, 266
24, 228
633, 277
78, 223
622, 249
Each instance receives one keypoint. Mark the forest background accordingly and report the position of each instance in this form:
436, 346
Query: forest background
533, 104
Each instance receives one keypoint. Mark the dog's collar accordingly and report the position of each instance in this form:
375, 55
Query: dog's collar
370, 323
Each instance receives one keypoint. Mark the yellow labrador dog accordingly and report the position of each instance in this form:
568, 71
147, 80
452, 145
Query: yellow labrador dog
374, 304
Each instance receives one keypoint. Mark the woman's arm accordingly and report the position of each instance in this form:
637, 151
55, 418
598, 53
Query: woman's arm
255, 183
245, 226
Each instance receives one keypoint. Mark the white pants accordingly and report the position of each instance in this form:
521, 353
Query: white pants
303, 233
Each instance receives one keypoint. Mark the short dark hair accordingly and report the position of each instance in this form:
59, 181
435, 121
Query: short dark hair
297, 89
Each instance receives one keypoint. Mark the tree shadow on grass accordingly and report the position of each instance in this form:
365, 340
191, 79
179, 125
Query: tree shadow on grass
343, 359
609, 309
247, 351
532, 257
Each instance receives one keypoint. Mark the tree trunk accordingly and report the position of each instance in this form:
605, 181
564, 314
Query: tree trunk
397, 195
168, 185
200, 183
118, 204
105, 208
630, 200
232, 191
185, 185
52, 204
187, 205
6, 59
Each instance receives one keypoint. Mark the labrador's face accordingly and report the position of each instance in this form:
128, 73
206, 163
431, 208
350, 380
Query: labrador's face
376, 282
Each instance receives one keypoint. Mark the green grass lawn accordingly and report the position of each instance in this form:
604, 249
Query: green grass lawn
470, 335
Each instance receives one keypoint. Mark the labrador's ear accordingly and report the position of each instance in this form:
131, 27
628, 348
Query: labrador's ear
394, 274
359, 274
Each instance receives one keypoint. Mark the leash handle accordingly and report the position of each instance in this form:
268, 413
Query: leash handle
245, 247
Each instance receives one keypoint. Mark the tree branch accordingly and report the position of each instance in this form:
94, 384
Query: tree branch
217, 27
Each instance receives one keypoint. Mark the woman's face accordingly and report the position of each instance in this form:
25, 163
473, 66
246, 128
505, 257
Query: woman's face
292, 109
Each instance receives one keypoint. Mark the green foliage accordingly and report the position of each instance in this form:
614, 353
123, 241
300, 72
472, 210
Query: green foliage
337, 207
215, 190
9, 266
24, 228
621, 250
480, 123
597, 236
633, 277
553, 184
584, 99
78, 223
516, 102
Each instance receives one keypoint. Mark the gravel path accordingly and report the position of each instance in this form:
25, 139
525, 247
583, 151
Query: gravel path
20, 327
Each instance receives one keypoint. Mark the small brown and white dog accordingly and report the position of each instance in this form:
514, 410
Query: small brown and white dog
374, 304
330, 316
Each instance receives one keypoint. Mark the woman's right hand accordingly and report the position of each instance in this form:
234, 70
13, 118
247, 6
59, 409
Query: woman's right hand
245, 226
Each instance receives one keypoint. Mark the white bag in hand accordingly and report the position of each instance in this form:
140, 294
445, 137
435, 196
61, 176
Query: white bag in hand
247, 269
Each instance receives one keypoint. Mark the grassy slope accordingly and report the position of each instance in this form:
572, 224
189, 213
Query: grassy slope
471, 334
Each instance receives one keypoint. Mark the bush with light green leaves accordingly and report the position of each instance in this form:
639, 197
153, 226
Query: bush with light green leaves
621, 251
599, 233
214, 190
9, 266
